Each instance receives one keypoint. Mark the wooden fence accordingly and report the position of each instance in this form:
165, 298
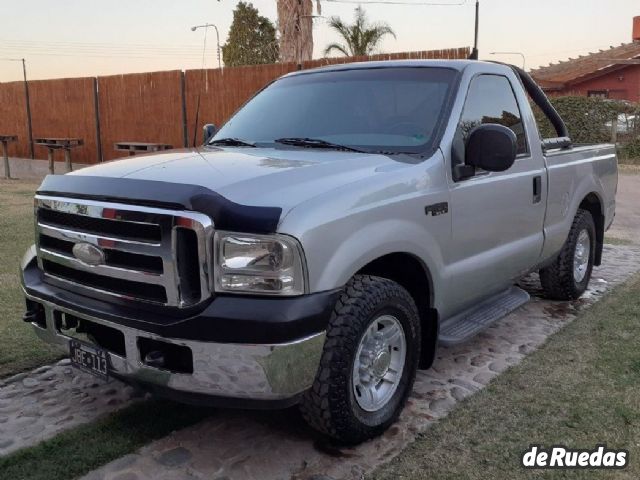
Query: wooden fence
141, 107
13, 117
147, 107
61, 109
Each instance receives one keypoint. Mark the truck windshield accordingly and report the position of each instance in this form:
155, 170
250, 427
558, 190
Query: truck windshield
389, 110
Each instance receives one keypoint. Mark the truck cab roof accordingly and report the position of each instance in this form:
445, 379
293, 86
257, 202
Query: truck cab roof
458, 65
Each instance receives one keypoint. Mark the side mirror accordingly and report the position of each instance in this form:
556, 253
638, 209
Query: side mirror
208, 131
491, 147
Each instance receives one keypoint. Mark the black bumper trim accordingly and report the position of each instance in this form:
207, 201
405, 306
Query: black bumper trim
226, 319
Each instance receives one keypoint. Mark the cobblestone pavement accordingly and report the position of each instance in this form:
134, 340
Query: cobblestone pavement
277, 445
42, 403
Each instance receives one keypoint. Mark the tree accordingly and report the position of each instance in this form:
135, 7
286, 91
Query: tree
295, 23
252, 38
361, 37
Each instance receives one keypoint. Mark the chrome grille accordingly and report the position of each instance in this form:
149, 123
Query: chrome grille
150, 254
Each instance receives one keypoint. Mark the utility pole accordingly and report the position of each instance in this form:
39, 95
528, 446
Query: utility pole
27, 99
475, 54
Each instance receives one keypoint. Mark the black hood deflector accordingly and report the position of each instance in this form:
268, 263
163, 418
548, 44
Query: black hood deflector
226, 215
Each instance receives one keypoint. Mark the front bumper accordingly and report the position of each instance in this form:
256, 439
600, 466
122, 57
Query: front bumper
242, 374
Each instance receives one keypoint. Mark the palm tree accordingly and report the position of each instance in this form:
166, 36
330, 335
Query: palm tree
361, 37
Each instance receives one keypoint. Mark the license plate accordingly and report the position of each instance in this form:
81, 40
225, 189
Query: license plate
90, 359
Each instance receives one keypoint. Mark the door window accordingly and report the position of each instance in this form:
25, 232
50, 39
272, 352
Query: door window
491, 100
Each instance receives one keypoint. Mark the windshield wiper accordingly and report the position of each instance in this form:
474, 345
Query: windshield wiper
231, 142
315, 143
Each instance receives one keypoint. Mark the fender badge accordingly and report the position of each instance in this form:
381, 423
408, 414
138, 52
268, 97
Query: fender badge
437, 209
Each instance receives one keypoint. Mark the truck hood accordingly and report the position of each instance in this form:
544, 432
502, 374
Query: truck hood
252, 176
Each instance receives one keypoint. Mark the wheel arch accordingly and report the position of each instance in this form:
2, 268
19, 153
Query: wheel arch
414, 275
593, 204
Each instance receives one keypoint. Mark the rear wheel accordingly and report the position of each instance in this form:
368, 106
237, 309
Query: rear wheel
369, 361
568, 276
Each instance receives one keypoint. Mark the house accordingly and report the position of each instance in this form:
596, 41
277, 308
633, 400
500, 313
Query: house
612, 73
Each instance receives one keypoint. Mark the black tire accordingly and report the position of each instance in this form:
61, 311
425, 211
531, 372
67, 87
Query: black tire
558, 279
330, 406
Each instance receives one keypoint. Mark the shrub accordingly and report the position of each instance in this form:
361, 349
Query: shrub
586, 118
630, 152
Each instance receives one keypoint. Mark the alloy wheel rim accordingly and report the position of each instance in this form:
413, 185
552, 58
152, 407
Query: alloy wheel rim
379, 363
581, 256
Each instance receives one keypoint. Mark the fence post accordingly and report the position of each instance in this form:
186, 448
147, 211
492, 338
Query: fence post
96, 109
183, 91
28, 102
614, 130
67, 160
51, 162
5, 156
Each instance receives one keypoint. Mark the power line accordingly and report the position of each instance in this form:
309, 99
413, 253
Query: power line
94, 49
100, 44
52, 48
151, 51
89, 51
177, 57
106, 55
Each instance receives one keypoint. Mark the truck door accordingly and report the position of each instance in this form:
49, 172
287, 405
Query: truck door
497, 218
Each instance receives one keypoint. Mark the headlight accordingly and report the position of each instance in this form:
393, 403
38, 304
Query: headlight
260, 264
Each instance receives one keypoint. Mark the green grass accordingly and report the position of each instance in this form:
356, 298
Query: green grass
580, 389
78, 451
617, 241
19, 348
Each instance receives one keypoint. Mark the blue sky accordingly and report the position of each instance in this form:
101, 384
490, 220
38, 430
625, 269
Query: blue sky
69, 38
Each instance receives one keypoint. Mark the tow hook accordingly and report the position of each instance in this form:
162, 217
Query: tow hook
155, 359
34, 313
30, 316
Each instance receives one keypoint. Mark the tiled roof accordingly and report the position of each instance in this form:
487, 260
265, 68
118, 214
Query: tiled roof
575, 69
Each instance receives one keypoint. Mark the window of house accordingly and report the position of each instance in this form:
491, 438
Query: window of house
598, 94
491, 100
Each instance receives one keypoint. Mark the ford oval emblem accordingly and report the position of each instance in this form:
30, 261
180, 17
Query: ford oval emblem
88, 254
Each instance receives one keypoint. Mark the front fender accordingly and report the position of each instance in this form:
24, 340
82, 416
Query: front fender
371, 242
350, 226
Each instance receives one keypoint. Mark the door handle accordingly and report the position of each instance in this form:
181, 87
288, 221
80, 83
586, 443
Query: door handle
537, 189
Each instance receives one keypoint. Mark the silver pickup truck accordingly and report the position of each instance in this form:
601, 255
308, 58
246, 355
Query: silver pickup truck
320, 245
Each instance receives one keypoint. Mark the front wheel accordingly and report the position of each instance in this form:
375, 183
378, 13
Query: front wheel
369, 361
568, 276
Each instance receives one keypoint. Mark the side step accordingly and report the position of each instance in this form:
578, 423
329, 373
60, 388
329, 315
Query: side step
468, 324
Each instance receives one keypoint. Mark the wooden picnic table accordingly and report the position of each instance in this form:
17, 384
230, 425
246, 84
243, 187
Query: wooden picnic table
65, 144
5, 140
140, 147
